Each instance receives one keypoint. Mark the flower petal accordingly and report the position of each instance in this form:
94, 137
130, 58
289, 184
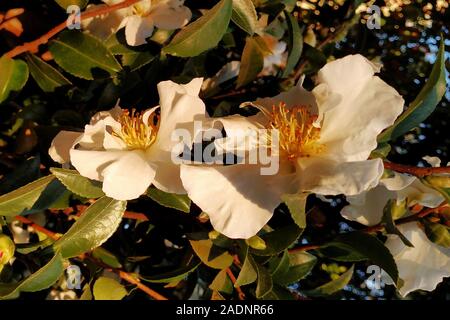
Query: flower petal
237, 198
167, 177
422, 266
128, 176
368, 105
59, 150
138, 29
170, 15
104, 25
418, 193
329, 177
90, 163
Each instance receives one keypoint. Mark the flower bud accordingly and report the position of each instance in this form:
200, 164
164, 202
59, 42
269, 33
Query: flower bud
256, 243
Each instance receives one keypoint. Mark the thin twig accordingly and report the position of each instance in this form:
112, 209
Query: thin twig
241, 294
416, 171
33, 46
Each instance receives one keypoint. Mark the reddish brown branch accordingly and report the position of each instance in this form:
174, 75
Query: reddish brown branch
416, 171
33, 46
37, 227
241, 294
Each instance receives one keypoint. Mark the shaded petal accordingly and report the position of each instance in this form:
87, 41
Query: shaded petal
104, 25
167, 178
329, 177
237, 198
227, 72
170, 16
433, 161
59, 150
90, 163
422, 266
368, 105
418, 193
138, 29
128, 176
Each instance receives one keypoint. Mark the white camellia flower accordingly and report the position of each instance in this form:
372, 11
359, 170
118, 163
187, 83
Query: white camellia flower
129, 151
325, 138
139, 19
422, 266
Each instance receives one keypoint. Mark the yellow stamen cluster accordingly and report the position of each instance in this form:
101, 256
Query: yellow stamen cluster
297, 135
135, 132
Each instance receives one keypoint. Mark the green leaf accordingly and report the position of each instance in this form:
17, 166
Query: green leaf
203, 248
47, 77
13, 76
369, 247
296, 204
295, 45
300, 265
40, 280
437, 233
252, 62
332, 286
93, 228
264, 282
137, 60
247, 274
26, 248
244, 15
389, 224
106, 257
279, 293
278, 240
22, 199
203, 34
278, 266
65, 3
222, 283
108, 289
78, 184
175, 275
175, 201
425, 102
83, 55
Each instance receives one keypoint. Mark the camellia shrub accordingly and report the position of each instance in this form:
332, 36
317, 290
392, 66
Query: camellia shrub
224, 149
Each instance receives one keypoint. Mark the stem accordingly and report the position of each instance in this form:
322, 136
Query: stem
33, 46
39, 228
416, 171
129, 278
233, 280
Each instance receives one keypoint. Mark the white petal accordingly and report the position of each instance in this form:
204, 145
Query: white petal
418, 193
113, 113
169, 17
368, 105
180, 106
433, 161
90, 163
421, 267
138, 29
237, 198
167, 177
367, 207
61, 144
398, 182
128, 177
328, 177
104, 25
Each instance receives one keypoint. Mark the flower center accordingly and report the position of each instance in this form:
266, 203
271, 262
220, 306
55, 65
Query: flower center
137, 132
297, 135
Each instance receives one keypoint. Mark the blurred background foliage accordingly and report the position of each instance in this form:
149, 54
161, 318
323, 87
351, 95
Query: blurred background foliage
406, 45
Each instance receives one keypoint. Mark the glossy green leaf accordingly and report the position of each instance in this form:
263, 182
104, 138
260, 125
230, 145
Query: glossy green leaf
264, 282
388, 220
93, 228
295, 44
175, 275
247, 274
203, 248
171, 200
252, 62
108, 289
106, 257
300, 265
244, 15
83, 55
278, 293
202, 34
78, 184
296, 204
13, 76
332, 286
278, 240
137, 60
278, 266
47, 77
425, 102
22, 199
40, 280
222, 283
